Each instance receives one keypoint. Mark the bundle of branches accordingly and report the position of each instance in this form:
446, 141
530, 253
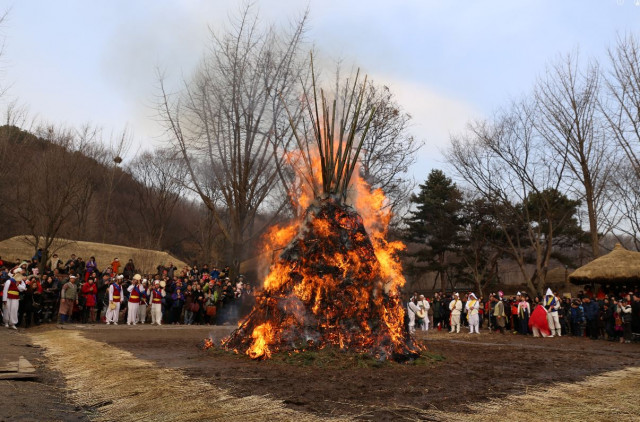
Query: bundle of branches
328, 287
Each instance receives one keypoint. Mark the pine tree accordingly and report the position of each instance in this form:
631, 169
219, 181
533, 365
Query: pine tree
436, 222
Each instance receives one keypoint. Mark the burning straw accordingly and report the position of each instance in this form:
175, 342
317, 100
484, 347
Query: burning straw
337, 281
121, 387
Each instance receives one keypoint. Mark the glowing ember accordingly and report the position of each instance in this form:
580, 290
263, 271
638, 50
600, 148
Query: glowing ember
207, 343
337, 280
336, 283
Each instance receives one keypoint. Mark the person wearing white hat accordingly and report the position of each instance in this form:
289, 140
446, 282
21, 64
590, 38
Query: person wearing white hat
424, 306
455, 306
134, 300
412, 310
157, 293
472, 308
144, 297
115, 296
11, 298
552, 304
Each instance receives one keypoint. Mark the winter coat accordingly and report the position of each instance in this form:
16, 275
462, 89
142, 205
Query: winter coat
89, 291
576, 314
591, 310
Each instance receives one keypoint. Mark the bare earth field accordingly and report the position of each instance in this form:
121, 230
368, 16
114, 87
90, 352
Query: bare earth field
116, 369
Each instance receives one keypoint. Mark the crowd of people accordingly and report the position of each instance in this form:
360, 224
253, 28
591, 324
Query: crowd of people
78, 291
612, 314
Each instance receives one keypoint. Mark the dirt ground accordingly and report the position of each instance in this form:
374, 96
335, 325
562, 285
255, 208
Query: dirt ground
43, 398
467, 370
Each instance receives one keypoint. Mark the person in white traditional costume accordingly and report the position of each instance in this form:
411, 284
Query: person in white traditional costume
115, 296
455, 306
11, 298
552, 304
134, 300
423, 315
472, 308
412, 310
156, 295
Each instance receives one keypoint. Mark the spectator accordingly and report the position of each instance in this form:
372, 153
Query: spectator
591, 313
115, 265
189, 305
625, 314
177, 303
576, 317
54, 262
50, 294
71, 265
89, 293
524, 312
129, 270
68, 298
90, 267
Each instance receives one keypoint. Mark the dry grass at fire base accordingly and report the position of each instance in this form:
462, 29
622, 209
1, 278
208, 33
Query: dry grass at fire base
119, 386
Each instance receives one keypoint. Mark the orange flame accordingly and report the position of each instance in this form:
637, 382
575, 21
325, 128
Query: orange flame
262, 335
317, 289
207, 344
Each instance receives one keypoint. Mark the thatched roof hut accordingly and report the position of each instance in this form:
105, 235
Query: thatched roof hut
618, 266
557, 276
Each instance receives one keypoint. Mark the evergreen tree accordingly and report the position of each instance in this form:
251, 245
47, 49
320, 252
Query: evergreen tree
436, 222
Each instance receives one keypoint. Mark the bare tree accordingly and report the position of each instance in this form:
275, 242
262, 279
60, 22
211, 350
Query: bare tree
624, 195
160, 175
49, 181
388, 150
622, 107
89, 137
509, 164
569, 119
112, 157
230, 122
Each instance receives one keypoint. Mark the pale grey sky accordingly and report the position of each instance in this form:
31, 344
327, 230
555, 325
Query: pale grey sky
448, 61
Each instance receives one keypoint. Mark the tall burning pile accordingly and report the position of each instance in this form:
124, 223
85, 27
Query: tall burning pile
336, 282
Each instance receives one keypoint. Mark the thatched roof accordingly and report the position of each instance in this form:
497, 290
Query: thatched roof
618, 266
557, 276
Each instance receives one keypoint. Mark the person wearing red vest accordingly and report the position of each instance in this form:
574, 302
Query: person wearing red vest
115, 296
134, 300
157, 293
11, 298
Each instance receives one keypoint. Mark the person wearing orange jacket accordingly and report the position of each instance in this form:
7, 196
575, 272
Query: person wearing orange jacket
115, 265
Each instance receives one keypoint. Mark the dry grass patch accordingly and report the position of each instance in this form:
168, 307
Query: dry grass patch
119, 386
606, 397
145, 259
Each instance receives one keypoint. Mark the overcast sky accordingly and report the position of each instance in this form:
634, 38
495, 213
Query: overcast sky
448, 61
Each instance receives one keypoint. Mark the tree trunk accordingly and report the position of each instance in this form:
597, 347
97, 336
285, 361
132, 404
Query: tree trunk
593, 222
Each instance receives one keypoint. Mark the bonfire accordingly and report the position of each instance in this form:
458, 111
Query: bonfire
337, 280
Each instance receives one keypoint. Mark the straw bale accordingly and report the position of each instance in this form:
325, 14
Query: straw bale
618, 266
119, 386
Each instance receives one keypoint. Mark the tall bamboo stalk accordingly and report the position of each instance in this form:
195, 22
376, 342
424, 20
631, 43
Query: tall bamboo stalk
338, 150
